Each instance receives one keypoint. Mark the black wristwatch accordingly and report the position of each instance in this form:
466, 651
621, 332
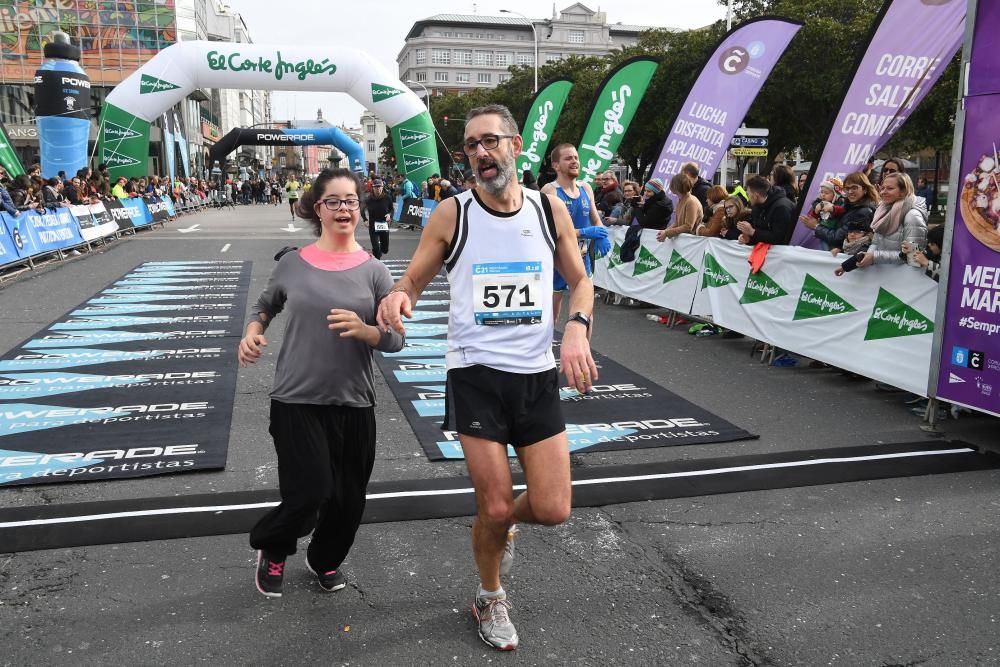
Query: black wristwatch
581, 318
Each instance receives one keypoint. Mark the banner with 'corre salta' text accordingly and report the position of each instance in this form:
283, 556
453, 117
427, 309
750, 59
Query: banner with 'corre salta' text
911, 46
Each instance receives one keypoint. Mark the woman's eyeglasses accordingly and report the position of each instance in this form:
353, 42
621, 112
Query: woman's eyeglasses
333, 204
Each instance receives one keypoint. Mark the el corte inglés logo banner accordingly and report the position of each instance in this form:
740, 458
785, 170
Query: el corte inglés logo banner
761, 287
114, 131
678, 268
150, 84
118, 160
412, 137
414, 162
892, 318
715, 275
818, 300
645, 262
382, 93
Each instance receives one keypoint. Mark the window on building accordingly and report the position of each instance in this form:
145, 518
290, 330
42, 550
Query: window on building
552, 57
480, 35
370, 128
371, 145
462, 77
503, 77
440, 77
576, 37
446, 34
420, 56
525, 59
281, 159
484, 58
440, 57
503, 60
463, 57
522, 38
422, 77
485, 77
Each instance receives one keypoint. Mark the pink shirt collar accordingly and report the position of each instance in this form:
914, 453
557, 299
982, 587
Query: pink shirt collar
333, 261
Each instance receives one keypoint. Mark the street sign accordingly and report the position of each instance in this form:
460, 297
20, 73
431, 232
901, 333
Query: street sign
749, 152
749, 142
752, 132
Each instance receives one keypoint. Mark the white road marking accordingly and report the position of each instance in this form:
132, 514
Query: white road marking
225, 247
470, 490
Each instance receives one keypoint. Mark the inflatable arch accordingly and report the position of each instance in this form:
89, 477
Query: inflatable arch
174, 72
299, 136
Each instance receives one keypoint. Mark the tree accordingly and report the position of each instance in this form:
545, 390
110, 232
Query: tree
804, 92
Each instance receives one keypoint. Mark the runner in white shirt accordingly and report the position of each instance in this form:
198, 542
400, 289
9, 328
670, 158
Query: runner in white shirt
500, 244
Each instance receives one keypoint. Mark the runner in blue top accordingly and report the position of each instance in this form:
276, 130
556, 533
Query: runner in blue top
579, 199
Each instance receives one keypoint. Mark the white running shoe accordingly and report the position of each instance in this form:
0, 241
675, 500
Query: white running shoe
493, 619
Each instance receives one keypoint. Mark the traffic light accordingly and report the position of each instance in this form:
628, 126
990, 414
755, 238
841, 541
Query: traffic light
445, 120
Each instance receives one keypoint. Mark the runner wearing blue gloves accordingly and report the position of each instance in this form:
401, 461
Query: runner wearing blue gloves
579, 199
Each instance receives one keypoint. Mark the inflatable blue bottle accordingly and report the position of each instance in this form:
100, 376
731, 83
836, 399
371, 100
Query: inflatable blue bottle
62, 104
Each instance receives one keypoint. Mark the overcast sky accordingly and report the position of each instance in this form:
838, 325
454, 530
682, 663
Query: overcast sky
379, 27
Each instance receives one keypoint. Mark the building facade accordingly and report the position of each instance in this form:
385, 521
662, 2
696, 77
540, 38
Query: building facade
115, 38
374, 132
459, 52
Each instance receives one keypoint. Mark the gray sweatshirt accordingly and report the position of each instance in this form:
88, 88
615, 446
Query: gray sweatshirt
315, 365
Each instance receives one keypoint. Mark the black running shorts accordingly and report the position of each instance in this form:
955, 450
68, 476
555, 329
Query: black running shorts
518, 409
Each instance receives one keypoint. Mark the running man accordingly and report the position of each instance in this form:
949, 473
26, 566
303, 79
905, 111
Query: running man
579, 200
378, 213
292, 187
500, 244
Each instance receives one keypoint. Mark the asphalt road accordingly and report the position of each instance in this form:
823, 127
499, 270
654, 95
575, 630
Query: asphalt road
890, 572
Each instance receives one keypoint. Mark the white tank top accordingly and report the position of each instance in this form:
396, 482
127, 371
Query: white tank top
500, 271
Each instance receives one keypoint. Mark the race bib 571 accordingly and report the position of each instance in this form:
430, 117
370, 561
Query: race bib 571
506, 293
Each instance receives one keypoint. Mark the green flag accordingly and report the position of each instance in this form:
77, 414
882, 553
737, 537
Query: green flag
8, 158
614, 107
541, 123
123, 142
413, 141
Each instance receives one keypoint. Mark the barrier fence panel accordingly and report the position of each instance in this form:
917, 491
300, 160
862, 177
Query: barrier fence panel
8, 251
877, 322
32, 233
662, 273
104, 225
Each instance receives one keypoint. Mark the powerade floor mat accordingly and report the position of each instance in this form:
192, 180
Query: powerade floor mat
138, 380
624, 411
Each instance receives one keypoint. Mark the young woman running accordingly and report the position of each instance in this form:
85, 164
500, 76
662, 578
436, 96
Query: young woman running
322, 402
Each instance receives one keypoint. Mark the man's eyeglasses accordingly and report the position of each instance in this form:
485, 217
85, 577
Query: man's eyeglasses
333, 204
489, 142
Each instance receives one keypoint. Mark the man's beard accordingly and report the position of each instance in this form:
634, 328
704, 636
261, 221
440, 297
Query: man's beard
499, 183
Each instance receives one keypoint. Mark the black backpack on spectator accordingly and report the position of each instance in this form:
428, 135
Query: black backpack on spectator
631, 243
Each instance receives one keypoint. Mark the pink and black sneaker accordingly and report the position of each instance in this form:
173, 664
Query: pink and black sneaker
329, 581
269, 574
